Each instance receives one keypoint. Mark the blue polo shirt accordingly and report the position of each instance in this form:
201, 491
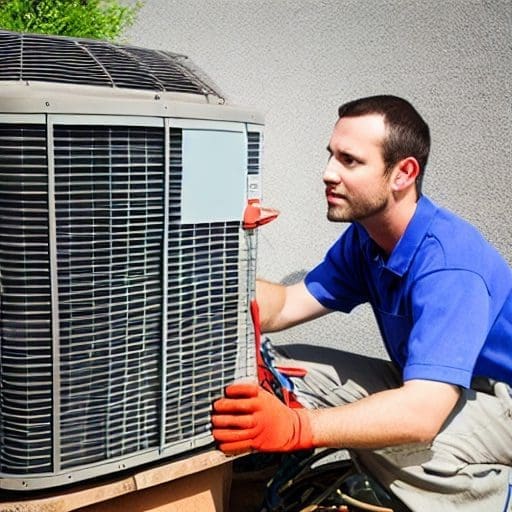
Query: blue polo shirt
443, 298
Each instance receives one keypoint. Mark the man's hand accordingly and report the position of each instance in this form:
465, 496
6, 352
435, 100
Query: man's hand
250, 418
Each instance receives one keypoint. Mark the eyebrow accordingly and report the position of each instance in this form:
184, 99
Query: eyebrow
344, 153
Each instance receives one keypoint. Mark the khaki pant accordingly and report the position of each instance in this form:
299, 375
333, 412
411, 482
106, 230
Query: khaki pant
468, 465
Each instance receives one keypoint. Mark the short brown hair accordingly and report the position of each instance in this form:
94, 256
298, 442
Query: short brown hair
407, 134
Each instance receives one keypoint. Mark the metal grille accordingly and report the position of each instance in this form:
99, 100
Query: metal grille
109, 211
55, 59
175, 174
253, 152
203, 323
10, 56
58, 60
169, 70
123, 69
25, 308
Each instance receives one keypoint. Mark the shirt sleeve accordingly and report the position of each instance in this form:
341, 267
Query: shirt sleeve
451, 320
337, 281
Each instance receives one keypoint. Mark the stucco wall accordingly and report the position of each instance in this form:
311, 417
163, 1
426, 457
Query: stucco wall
297, 60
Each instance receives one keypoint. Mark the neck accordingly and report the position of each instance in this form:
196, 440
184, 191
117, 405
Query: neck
386, 228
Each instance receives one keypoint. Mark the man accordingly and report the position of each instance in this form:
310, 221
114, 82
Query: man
442, 297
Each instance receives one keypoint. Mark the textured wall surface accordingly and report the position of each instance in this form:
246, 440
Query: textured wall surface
297, 60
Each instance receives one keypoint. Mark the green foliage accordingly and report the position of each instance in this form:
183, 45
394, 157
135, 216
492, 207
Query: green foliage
92, 19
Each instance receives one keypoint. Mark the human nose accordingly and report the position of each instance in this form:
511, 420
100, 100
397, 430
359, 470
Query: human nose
331, 174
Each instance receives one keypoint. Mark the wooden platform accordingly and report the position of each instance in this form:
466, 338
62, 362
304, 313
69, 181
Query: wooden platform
198, 483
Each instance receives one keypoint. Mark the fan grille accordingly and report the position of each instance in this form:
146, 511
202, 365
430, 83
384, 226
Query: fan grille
31, 57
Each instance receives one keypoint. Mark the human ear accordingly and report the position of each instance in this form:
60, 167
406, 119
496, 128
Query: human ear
405, 174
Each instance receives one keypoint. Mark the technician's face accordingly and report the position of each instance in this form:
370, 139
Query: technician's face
356, 187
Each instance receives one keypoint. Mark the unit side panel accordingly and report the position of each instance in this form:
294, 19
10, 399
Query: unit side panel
207, 313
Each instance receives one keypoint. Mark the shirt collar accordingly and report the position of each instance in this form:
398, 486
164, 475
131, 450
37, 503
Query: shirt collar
400, 259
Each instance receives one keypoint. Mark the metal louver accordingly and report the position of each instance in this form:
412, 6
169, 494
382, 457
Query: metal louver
253, 152
26, 345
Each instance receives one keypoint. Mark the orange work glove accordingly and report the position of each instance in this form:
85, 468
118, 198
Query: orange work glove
250, 418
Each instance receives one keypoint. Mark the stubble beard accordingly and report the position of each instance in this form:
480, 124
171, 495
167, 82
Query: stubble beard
357, 212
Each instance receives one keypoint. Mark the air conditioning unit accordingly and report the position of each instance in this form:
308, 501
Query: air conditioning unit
125, 270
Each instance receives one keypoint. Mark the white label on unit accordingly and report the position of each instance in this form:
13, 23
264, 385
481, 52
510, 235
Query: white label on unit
214, 175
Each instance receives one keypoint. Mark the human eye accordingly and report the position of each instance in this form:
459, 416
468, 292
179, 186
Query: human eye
348, 160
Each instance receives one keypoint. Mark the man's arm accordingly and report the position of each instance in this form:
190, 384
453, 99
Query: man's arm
413, 413
283, 306
250, 418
